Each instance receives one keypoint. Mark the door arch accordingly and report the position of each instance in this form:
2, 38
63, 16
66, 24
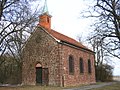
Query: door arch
41, 75
38, 73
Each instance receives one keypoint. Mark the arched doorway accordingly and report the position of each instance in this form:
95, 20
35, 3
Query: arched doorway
38, 73
41, 75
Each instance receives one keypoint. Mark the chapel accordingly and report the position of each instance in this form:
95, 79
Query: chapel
51, 58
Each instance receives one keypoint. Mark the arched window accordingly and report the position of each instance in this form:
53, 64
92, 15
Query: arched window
71, 64
89, 66
81, 65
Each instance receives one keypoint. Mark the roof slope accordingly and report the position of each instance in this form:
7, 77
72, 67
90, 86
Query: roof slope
67, 39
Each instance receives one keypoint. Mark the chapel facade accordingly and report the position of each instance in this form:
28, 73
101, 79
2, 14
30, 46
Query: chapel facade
51, 58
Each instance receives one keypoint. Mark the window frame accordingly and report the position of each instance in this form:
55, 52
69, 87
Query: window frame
71, 64
89, 66
81, 65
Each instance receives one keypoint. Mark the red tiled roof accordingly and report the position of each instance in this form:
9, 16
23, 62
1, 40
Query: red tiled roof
65, 38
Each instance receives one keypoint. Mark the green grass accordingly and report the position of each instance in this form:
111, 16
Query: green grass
111, 87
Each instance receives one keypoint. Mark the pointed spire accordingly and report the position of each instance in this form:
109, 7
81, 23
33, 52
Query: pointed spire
45, 17
45, 8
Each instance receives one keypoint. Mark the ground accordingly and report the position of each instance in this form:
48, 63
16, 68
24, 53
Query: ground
99, 86
30, 88
111, 87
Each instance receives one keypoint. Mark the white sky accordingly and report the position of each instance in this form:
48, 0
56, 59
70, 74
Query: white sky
66, 17
66, 20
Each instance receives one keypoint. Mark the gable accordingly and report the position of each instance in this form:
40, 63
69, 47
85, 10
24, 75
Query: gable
36, 36
56, 36
65, 39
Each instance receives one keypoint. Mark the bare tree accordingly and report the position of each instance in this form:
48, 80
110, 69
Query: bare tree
16, 18
17, 21
107, 24
7, 5
102, 57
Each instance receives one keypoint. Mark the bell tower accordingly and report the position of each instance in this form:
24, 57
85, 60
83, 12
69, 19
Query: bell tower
45, 17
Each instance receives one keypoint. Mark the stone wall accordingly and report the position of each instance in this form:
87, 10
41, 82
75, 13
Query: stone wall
41, 48
77, 78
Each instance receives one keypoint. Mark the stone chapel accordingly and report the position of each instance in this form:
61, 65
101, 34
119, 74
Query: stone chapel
51, 58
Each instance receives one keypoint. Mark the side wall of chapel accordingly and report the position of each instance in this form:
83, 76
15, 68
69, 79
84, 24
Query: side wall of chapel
76, 78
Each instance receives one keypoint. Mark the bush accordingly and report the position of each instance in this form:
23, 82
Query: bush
10, 70
104, 73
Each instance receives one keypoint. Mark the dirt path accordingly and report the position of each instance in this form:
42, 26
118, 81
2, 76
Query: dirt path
92, 86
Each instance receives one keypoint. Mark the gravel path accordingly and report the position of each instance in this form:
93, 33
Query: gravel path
92, 86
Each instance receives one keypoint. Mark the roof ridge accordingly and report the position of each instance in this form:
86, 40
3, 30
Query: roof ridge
71, 40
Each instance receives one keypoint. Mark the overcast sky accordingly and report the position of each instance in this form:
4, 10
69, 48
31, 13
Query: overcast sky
66, 19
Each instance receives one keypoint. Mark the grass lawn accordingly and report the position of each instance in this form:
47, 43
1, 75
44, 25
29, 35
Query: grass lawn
111, 87
31, 88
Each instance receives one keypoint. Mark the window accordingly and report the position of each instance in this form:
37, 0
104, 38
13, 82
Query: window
47, 19
89, 66
71, 64
81, 65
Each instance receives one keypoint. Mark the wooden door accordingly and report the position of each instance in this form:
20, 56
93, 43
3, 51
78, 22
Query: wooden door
39, 75
45, 76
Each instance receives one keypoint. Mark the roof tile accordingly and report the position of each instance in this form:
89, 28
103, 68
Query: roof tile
65, 38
